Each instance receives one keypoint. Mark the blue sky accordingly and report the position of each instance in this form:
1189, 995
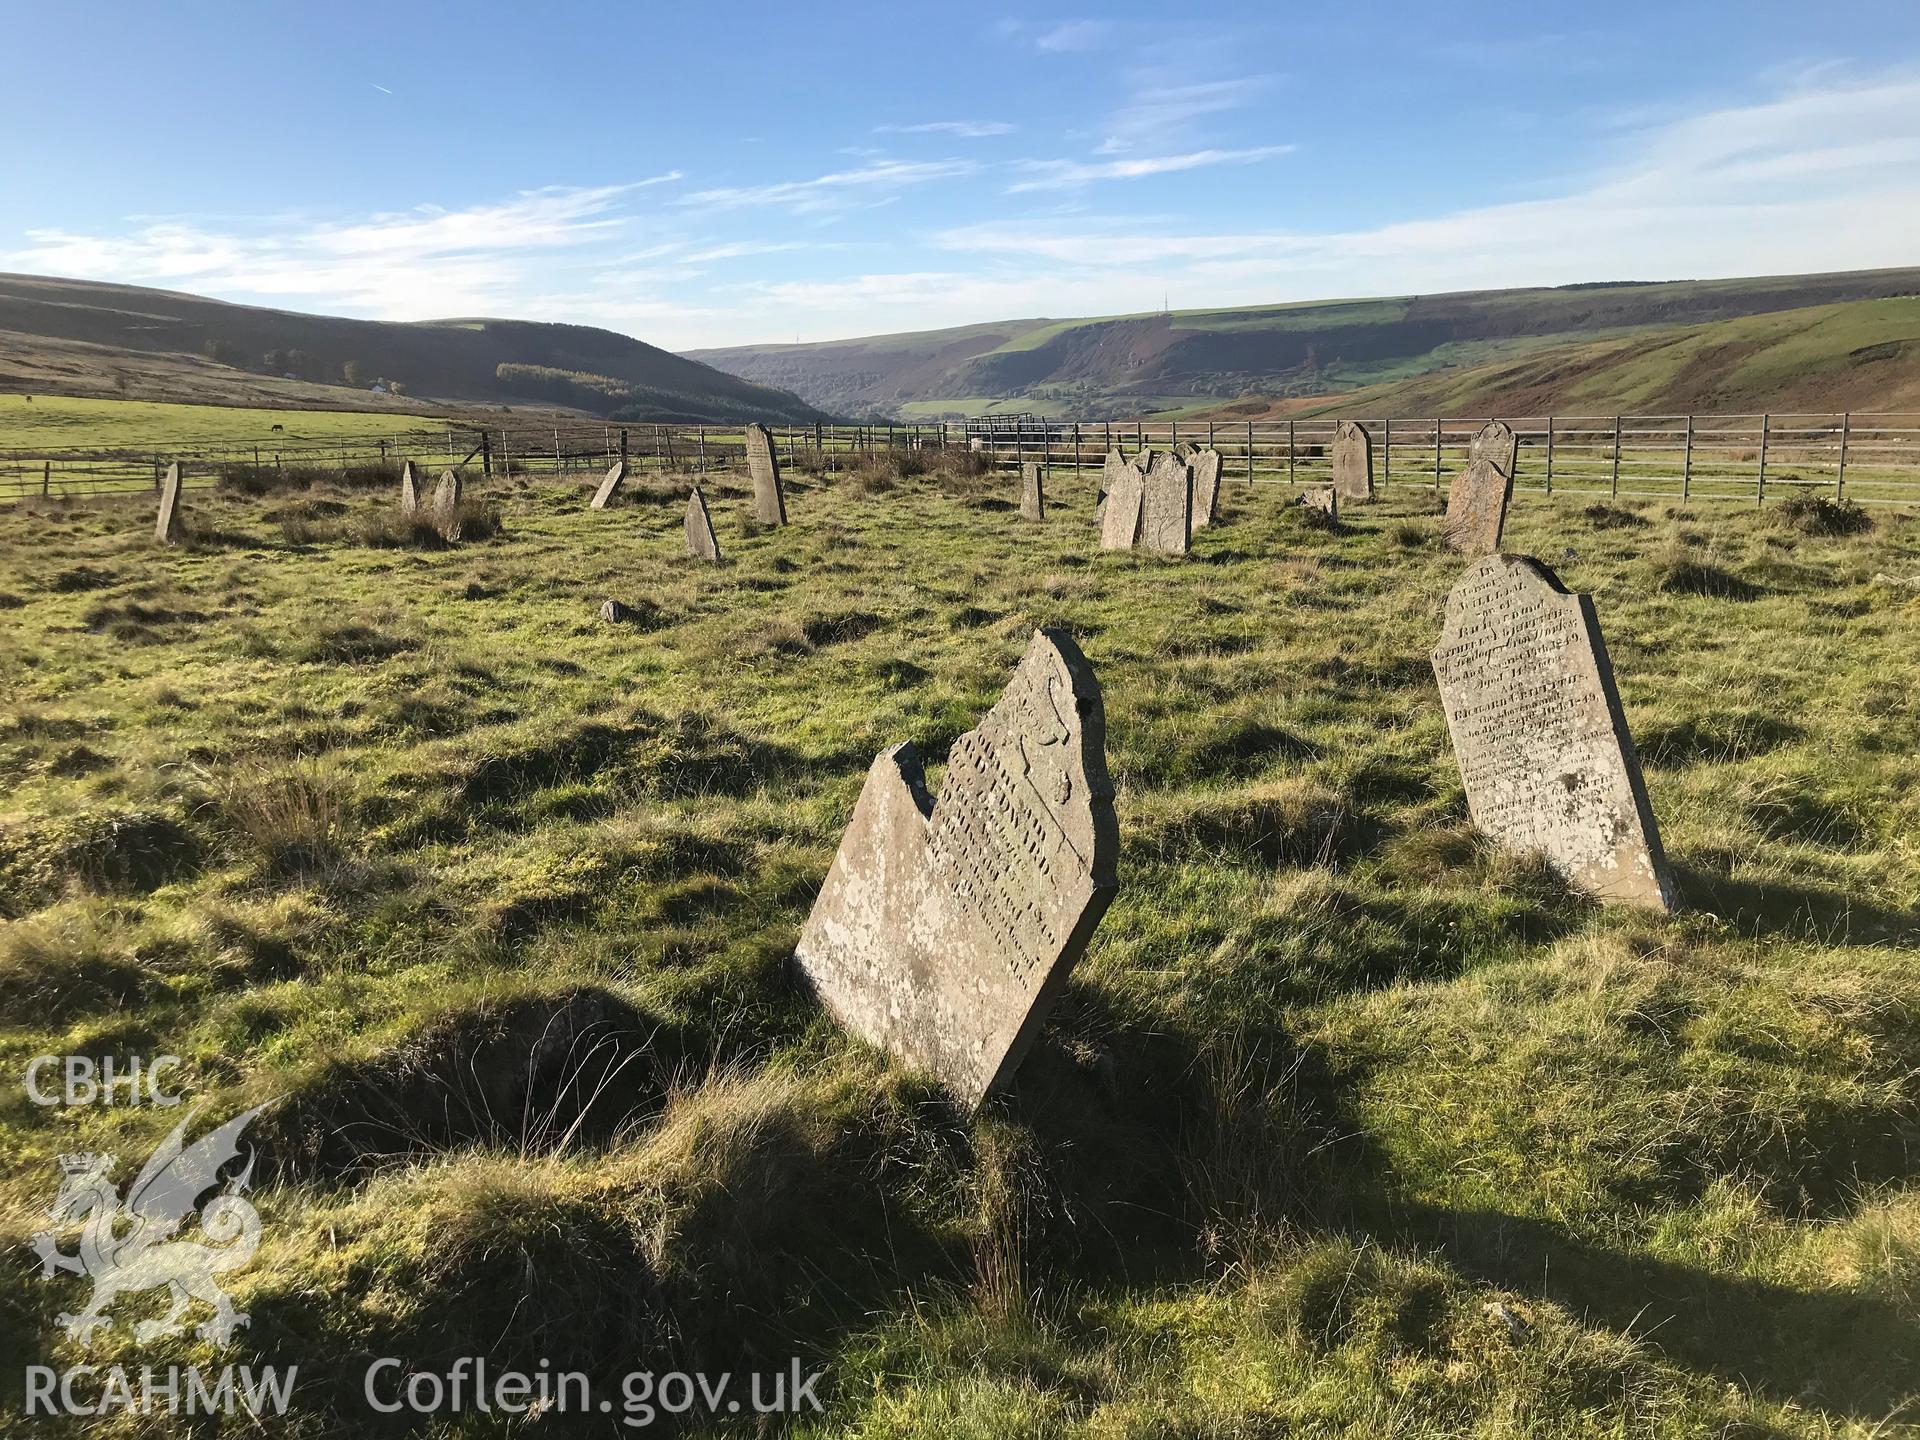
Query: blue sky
708, 174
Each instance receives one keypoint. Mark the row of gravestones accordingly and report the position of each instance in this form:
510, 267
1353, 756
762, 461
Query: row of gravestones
943, 930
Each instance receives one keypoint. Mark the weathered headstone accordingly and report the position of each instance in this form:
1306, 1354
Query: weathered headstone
1352, 460
1120, 510
1544, 752
167, 528
1206, 487
409, 488
1496, 441
1184, 451
610, 486
1166, 517
1323, 498
1143, 462
763, 461
702, 543
945, 928
615, 613
1033, 492
1477, 508
446, 504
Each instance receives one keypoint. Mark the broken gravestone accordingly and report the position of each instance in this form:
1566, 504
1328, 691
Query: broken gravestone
1033, 492
1496, 441
945, 928
610, 486
1352, 460
702, 543
1477, 508
1324, 499
763, 461
1206, 487
1544, 752
1166, 516
409, 488
1120, 510
167, 528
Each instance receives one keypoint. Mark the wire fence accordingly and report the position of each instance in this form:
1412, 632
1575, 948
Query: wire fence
1873, 459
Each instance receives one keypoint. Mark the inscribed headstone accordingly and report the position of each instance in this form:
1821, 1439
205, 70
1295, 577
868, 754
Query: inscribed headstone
1206, 487
609, 486
1120, 511
409, 488
1496, 441
702, 543
1033, 494
167, 528
1477, 508
769, 498
1352, 461
945, 928
1166, 517
1543, 747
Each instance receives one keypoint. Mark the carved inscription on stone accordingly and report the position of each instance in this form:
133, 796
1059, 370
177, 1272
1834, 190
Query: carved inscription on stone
1544, 752
1495, 441
1206, 487
944, 930
1352, 461
409, 488
1166, 517
610, 486
1120, 511
769, 497
1033, 492
167, 528
1476, 508
702, 543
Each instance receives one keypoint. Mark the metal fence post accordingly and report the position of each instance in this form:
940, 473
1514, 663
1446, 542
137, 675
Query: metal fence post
1290, 450
1249, 452
1549, 455
1616, 457
1436, 452
1760, 482
1386, 455
1076, 449
1840, 480
1686, 463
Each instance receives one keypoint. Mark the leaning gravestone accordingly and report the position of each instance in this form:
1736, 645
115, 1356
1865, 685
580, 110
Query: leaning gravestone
1033, 492
702, 543
610, 486
1496, 441
167, 528
1120, 511
1206, 487
1544, 752
409, 488
1477, 508
944, 929
1352, 461
769, 499
1166, 516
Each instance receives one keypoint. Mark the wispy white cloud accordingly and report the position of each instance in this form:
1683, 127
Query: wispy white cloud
837, 190
1073, 35
1158, 113
965, 129
1051, 174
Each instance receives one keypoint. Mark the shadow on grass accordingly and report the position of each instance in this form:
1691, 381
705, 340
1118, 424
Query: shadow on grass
1782, 908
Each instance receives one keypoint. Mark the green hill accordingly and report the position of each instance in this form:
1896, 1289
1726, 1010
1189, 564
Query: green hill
1124, 365
83, 337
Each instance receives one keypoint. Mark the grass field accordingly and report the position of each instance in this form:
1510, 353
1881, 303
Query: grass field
1346, 1125
47, 421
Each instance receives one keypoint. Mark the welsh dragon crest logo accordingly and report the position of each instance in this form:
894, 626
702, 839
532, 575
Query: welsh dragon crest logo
125, 1249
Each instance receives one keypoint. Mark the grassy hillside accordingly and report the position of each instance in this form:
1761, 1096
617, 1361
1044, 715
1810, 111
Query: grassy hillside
1346, 1125
1120, 366
84, 337
1862, 356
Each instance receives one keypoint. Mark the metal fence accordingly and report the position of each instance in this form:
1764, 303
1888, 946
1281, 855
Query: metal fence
1870, 458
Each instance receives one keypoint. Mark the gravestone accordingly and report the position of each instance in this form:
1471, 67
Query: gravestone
1185, 451
167, 528
1143, 462
1544, 752
1206, 487
1323, 498
610, 486
446, 504
1477, 508
409, 488
1166, 516
769, 499
1120, 510
1496, 441
945, 928
1352, 460
1033, 492
702, 543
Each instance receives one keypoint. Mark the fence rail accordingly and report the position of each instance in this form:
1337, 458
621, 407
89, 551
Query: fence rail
1870, 458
